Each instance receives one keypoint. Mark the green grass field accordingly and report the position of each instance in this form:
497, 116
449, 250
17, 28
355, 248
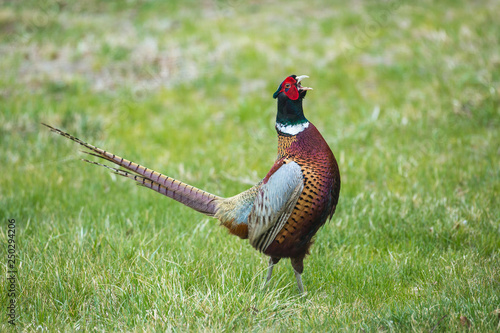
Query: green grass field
407, 96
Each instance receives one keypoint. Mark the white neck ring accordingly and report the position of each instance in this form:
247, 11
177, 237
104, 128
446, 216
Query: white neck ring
292, 129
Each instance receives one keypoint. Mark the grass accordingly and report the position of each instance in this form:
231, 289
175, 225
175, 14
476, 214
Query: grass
407, 95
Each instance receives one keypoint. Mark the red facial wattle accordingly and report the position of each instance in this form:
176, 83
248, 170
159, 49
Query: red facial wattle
291, 87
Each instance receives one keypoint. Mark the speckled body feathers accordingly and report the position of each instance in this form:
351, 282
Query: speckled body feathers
320, 194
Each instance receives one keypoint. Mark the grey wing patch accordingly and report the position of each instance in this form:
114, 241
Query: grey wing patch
274, 204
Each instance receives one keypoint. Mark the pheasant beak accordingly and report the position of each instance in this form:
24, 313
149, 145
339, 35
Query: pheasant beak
300, 78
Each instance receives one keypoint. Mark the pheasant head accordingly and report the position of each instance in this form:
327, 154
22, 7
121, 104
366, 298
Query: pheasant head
290, 117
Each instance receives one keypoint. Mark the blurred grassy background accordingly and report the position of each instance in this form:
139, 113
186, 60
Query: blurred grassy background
406, 94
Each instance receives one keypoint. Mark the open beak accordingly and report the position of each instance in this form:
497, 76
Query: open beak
300, 78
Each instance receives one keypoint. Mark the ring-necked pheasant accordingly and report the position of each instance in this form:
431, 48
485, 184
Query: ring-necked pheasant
281, 214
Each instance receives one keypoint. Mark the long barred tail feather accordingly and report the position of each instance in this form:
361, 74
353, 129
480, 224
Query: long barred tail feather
188, 195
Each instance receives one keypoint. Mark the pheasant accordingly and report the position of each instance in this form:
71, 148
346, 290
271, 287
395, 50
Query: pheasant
279, 215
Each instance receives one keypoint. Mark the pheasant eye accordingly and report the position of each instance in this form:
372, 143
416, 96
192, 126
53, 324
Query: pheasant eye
287, 85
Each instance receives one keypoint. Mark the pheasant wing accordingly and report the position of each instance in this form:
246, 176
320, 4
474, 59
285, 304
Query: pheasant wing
274, 204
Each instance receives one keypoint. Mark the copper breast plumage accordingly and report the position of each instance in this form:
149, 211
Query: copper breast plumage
319, 197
